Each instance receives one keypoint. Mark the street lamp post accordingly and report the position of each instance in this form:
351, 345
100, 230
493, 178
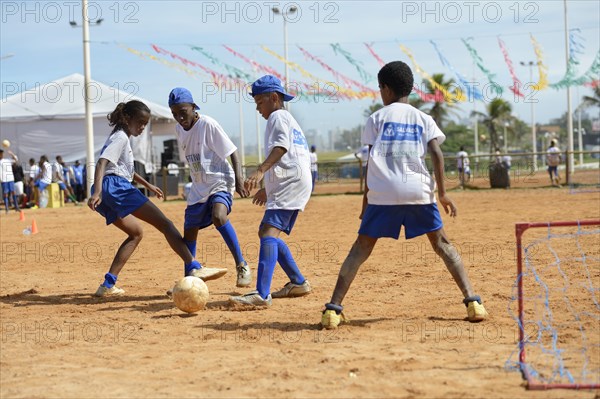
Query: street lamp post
89, 121
530, 64
284, 14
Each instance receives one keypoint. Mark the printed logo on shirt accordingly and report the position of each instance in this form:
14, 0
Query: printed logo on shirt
299, 138
393, 131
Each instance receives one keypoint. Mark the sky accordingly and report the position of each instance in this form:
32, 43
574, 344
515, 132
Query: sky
38, 45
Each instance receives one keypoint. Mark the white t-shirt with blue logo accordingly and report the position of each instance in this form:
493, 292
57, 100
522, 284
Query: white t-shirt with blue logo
205, 148
117, 151
288, 183
397, 173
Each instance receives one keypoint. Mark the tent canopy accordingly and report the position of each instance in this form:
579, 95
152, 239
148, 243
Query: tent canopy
50, 119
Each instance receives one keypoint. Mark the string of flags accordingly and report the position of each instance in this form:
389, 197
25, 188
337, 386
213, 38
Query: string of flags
338, 85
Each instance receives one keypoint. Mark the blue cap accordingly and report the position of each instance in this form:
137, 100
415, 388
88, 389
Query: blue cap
269, 84
179, 95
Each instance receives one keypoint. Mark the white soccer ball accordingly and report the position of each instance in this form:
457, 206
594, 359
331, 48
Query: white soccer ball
190, 294
5, 143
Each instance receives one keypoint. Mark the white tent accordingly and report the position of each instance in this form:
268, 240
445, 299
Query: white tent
50, 120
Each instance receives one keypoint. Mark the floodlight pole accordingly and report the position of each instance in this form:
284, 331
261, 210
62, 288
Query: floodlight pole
89, 121
571, 160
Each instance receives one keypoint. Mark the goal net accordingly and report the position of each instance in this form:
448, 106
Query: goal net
556, 304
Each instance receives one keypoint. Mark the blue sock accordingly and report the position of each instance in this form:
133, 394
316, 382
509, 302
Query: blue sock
16, 202
109, 280
189, 267
267, 258
287, 262
228, 233
191, 246
6, 203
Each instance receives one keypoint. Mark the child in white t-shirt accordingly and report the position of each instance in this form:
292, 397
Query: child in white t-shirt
553, 159
7, 178
205, 147
287, 179
115, 198
400, 191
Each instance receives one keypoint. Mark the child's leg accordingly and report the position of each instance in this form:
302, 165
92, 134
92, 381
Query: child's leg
360, 252
267, 258
190, 237
224, 226
150, 213
16, 201
442, 246
134, 235
288, 264
6, 201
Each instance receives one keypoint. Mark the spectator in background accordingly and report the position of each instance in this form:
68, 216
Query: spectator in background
314, 165
19, 186
32, 175
463, 166
78, 183
553, 159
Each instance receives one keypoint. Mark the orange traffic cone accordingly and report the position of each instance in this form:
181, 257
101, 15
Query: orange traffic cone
21, 216
34, 229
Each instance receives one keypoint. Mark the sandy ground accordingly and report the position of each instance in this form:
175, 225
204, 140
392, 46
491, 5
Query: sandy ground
407, 336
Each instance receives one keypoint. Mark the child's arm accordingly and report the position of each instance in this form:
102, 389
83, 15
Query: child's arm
254, 179
139, 179
438, 169
95, 199
237, 168
365, 202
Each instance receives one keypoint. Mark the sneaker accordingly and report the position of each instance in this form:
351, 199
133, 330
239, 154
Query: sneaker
475, 309
113, 291
208, 273
330, 319
291, 290
244, 277
252, 298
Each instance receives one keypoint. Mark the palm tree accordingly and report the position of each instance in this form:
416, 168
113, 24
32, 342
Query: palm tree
595, 100
416, 102
441, 110
372, 108
498, 111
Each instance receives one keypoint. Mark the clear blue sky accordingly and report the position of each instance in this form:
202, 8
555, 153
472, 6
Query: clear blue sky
45, 47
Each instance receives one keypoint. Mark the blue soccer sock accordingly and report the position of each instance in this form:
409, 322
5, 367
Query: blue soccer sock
267, 258
6, 203
16, 202
191, 246
109, 280
191, 266
228, 233
287, 262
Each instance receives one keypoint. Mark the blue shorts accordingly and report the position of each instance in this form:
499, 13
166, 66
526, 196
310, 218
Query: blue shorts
283, 219
553, 170
386, 220
8, 187
62, 185
41, 185
119, 198
200, 215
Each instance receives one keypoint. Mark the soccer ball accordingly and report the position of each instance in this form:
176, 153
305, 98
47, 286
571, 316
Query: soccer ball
5, 143
190, 294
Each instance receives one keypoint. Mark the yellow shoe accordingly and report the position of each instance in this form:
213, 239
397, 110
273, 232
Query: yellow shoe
475, 309
332, 316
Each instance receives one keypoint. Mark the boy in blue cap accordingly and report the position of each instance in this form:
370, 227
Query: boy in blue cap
205, 146
400, 191
287, 179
